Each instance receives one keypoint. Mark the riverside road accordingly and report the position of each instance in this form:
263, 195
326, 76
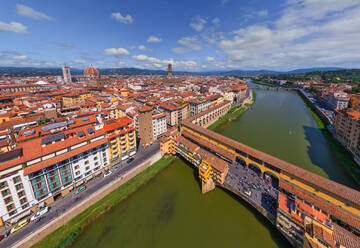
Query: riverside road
70, 200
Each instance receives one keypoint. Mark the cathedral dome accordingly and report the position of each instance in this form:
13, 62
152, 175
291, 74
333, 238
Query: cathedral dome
91, 71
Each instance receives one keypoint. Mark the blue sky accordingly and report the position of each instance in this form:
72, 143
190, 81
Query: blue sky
195, 35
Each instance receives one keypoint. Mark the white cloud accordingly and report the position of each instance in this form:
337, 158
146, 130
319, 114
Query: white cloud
124, 19
154, 39
67, 44
262, 13
308, 33
198, 23
20, 57
210, 59
188, 44
14, 58
121, 63
30, 12
151, 62
79, 61
14, 27
116, 51
223, 2
216, 21
143, 57
142, 47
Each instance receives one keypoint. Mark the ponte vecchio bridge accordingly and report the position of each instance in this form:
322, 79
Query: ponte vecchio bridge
309, 210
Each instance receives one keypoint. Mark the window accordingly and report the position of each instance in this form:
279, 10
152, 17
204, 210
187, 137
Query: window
76, 167
26, 205
96, 163
3, 185
96, 158
87, 162
12, 212
8, 200
21, 193
87, 168
5, 192
16, 179
104, 154
23, 200
19, 186
77, 173
10, 207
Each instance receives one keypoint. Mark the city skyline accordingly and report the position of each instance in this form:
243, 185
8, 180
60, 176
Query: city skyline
222, 34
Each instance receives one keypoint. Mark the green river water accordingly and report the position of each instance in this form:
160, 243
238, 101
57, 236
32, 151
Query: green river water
170, 210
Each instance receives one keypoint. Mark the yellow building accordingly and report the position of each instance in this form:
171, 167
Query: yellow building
167, 142
115, 113
75, 98
121, 137
205, 171
318, 235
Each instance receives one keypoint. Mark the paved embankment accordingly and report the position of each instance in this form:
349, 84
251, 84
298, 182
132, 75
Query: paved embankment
48, 228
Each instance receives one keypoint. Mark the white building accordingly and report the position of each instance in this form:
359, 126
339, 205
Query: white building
159, 125
45, 169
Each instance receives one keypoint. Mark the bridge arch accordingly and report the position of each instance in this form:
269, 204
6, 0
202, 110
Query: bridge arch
240, 160
255, 168
271, 177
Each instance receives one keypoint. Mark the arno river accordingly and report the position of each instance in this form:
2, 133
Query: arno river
170, 211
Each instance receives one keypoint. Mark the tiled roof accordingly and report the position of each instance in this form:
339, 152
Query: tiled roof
33, 149
113, 124
345, 238
334, 210
310, 178
47, 163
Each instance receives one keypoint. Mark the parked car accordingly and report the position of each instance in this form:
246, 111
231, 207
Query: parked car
130, 160
107, 173
39, 213
20, 225
79, 190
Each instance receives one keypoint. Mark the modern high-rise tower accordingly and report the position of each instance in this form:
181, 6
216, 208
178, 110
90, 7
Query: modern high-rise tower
169, 70
66, 74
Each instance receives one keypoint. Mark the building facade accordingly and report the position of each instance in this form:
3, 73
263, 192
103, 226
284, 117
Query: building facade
159, 125
145, 121
121, 137
47, 168
347, 131
175, 112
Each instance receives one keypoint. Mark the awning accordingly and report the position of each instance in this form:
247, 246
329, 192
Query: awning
20, 216
132, 153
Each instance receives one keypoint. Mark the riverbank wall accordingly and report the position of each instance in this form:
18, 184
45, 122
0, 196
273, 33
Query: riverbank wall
346, 157
235, 112
314, 107
36, 239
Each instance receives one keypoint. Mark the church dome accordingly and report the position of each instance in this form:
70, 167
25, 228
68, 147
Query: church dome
91, 71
